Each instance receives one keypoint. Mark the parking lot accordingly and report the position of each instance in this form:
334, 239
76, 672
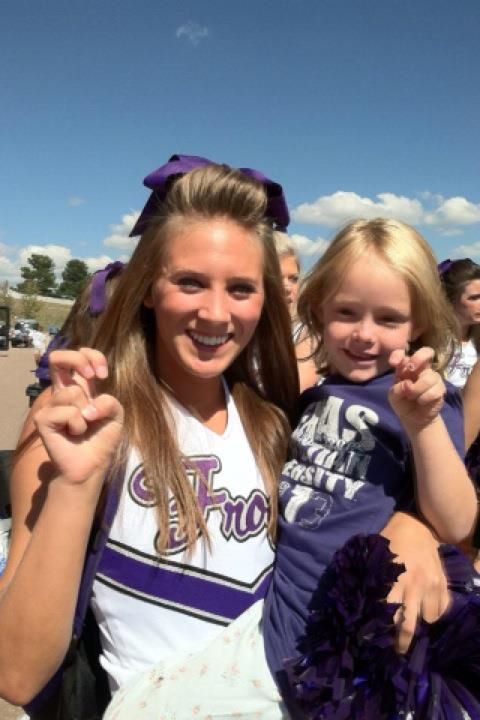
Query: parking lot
16, 372
16, 368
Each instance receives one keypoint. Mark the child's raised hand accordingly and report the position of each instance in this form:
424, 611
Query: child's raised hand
418, 391
80, 429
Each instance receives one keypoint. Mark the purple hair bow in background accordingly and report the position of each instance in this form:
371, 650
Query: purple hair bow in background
444, 266
97, 300
159, 181
96, 306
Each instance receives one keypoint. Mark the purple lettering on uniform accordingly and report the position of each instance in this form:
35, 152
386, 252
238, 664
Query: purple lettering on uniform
245, 517
139, 488
240, 517
256, 513
203, 473
201, 470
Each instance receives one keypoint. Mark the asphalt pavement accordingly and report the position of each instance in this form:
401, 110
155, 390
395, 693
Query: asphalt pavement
16, 372
16, 366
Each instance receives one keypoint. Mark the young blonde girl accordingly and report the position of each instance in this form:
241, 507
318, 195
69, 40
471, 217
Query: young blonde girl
379, 432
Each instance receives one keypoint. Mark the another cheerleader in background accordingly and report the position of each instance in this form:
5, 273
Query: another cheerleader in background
80, 323
461, 281
304, 344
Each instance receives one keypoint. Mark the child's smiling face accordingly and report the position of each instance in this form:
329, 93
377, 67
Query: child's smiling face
367, 317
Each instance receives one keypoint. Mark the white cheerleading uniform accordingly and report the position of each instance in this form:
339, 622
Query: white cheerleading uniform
150, 608
461, 364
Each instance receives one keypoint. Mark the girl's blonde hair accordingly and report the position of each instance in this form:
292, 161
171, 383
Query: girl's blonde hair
285, 247
262, 379
406, 252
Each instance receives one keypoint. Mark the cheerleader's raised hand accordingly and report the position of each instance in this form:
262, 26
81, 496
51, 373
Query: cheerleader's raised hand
80, 429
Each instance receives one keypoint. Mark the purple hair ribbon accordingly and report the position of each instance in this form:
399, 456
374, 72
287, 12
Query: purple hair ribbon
97, 299
43, 371
444, 266
159, 181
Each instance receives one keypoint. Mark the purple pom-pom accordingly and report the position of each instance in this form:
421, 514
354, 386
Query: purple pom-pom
348, 667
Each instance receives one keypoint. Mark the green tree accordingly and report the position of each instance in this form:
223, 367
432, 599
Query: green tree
74, 278
29, 304
5, 298
41, 271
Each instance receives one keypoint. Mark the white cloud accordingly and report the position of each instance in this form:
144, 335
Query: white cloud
97, 263
8, 269
59, 254
75, 201
119, 235
12, 259
334, 210
192, 31
7, 249
455, 211
448, 215
305, 246
471, 251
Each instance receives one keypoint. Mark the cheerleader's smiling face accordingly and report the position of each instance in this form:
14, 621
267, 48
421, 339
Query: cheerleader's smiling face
367, 317
208, 299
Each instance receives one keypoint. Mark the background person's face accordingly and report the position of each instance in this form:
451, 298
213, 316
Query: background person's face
467, 307
290, 279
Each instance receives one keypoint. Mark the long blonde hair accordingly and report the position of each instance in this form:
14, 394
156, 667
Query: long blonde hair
406, 252
262, 379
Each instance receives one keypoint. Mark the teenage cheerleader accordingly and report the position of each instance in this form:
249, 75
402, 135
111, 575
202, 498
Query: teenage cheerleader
381, 431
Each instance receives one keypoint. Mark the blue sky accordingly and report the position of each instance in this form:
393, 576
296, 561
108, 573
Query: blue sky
358, 107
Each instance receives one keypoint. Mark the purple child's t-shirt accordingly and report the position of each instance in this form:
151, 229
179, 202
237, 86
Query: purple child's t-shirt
350, 468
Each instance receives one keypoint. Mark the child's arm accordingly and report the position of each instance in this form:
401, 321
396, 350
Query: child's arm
445, 493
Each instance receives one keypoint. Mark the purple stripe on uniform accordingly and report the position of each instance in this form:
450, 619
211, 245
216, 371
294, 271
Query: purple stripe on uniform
205, 593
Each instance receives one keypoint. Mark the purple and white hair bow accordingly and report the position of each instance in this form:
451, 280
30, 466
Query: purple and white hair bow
159, 181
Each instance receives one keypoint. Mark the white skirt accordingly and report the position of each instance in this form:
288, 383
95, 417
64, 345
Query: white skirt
227, 679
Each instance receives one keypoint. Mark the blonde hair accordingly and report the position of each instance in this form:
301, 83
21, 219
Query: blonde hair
262, 379
285, 247
406, 252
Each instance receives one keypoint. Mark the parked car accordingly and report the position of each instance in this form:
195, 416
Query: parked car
4, 327
3, 336
21, 333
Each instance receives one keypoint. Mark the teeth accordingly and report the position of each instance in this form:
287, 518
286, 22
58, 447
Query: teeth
209, 339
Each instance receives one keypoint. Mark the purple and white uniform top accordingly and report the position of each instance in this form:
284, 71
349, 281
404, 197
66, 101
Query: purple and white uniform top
150, 608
